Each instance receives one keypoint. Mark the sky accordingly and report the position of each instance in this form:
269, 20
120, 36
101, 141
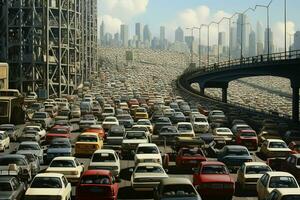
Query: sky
189, 13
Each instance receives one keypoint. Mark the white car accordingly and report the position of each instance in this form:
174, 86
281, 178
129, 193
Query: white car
147, 153
49, 186
185, 129
69, 166
4, 141
274, 148
109, 122
108, 112
141, 128
200, 123
272, 180
284, 194
106, 159
223, 132
250, 172
40, 131
147, 123
147, 176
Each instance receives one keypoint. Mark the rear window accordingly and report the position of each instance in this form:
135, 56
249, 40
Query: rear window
46, 182
214, 169
179, 190
62, 163
149, 169
147, 150
84, 138
277, 145
136, 135
282, 182
95, 179
257, 169
103, 157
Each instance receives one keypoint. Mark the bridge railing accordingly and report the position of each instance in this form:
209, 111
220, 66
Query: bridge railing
289, 55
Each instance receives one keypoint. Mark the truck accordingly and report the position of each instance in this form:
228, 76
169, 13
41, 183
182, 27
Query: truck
11, 107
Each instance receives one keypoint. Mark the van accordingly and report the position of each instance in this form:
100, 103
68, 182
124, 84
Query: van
85, 107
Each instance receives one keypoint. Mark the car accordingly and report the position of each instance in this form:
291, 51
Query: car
11, 188
238, 127
36, 107
185, 129
87, 143
272, 180
39, 129
247, 138
234, 156
200, 123
86, 121
31, 147
147, 176
284, 193
215, 113
96, 129
58, 147
147, 152
131, 140
85, 107
189, 157
115, 135
51, 110
13, 132
168, 132
75, 112
108, 122
108, 112
125, 120
145, 122
95, 184
178, 117
213, 181
30, 135
33, 161
64, 124
16, 164
249, 173
142, 128
295, 147
4, 141
49, 186
106, 159
159, 123
63, 114
264, 135
224, 133
176, 188
58, 132
43, 118
67, 165
203, 110
274, 148
291, 135
140, 113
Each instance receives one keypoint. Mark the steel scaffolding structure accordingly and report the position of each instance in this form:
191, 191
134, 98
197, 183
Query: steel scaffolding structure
50, 45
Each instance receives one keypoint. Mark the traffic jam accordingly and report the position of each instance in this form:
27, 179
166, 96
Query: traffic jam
132, 136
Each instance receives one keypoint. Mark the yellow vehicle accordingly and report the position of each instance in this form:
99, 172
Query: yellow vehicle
87, 143
140, 113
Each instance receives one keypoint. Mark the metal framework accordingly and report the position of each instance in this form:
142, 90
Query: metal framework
50, 45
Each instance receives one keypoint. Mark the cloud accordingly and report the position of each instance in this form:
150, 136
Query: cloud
112, 25
278, 33
123, 9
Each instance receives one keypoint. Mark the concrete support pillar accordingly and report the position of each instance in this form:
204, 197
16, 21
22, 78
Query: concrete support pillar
224, 94
295, 103
202, 91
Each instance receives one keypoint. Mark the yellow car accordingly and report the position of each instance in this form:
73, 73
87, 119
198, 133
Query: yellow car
140, 113
87, 143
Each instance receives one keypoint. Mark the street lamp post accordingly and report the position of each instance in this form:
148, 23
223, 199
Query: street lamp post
285, 33
192, 34
208, 26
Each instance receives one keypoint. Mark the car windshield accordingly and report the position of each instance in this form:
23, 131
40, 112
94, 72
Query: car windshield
110, 120
88, 117
58, 131
12, 160
168, 130
291, 197
108, 110
184, 127
178, 190
62, 163
135, 135
4, 186
39, 115
95, 179
214, 169
103, 157
199, 119
238, 152
149, 169
192, 152
248, 134
87, 138
143, 123
257, 169
28, 147
35, 106
63, 113
277, 145
46, 182
283, 182
59, 145
147, 150
124, 117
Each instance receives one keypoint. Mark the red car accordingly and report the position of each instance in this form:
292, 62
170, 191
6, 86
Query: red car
58, 132
213, 181
203, 110
96, 129
189, 157
97, 184
247, 138
295, 147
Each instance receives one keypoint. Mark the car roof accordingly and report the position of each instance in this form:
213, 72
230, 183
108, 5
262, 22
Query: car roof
212, 163
255, 163
235, 147
275, 140
29, 142
279, 173
64, 158
147, 145
49, 175
175, 181
97, 172
104, 151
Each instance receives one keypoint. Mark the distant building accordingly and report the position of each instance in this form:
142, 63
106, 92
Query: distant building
222, 41
102, 32
139, 31
259, 38
252, 44
190, 42
124, 35
147, 36
270, 40
242, 31
179, 35
108, 39
162, 37
297, 41
155, 43
232, 42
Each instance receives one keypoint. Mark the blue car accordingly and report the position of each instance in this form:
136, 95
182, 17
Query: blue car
233, 156
58, 147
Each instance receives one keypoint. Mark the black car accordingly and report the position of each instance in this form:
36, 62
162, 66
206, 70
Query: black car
11, 188
160, 122
178, 117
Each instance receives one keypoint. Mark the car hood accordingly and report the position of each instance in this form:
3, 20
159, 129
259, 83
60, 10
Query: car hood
215, 178
41, 191
59, 150
130, 141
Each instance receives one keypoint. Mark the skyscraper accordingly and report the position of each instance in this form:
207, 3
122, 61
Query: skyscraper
232, 42
297, 40
242, 31
162, 37
102, 32
270, 40
179, 35
259, 38
189, 40
139, 31
252, 44
147, 33
124, 35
